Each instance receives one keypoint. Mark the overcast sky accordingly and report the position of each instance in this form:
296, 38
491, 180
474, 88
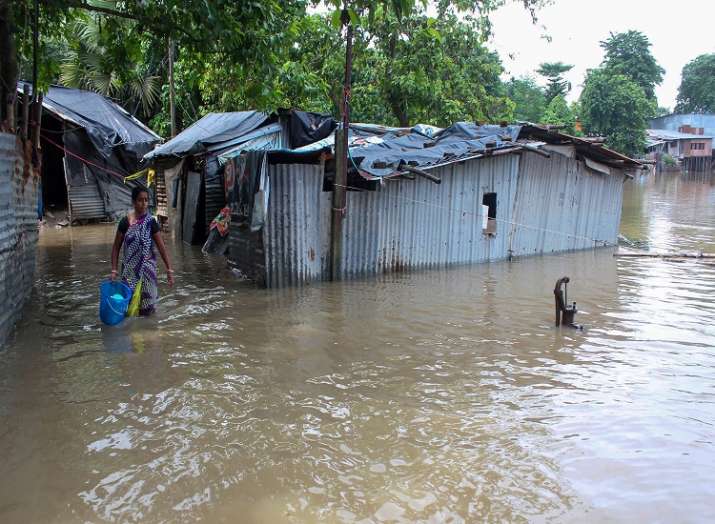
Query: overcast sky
679, 31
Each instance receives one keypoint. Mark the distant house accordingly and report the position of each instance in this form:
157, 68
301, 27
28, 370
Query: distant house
695, 123
693, 150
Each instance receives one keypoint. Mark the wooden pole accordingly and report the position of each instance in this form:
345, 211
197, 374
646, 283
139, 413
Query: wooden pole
25, 112
423, 174
37, 123
341, 158
172, 92
338, 208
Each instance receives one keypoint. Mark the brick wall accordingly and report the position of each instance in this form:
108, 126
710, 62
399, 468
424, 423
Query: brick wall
18, 233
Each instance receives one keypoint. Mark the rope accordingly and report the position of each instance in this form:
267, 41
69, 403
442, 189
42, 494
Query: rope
82, 159
124, 178
479, 215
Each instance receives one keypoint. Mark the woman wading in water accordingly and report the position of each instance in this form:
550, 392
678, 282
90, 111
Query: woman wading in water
137, 234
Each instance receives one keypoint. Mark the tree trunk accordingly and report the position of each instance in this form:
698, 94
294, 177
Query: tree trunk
397, 104
8, 58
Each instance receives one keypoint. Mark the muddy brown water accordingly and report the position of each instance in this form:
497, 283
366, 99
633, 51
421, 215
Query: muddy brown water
435, 396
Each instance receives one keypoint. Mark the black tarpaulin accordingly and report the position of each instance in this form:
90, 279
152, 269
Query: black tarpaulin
307, 128
393, 150
107, 125
213, 129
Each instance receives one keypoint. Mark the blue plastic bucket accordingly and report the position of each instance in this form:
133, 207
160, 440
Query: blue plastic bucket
113, 301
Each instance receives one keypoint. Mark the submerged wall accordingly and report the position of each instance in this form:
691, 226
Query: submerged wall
18, 233
543, 205
562, 205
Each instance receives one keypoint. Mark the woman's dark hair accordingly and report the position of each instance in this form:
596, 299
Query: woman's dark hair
138, 191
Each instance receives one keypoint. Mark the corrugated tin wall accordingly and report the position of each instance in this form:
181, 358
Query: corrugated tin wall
544, 205
296, 236
85, 195
561, 205
215, 193
420, 224
18, 234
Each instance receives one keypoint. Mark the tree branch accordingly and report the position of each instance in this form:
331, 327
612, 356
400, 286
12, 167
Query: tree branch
103, 10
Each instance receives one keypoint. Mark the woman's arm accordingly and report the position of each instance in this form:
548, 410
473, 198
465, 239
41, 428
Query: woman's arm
118, 239
164, 256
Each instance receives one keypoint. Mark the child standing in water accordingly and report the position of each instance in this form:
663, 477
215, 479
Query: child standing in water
138, 234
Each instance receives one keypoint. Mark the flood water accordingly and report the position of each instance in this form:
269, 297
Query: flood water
438, 396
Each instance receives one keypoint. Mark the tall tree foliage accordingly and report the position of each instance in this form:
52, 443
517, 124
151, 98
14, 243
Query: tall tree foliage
116, 63
560, 114
435, 70
614, 106
234, 55
528, 98
556, 84
696, 93
629, 54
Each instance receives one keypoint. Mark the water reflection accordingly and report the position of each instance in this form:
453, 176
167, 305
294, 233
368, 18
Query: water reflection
440, 396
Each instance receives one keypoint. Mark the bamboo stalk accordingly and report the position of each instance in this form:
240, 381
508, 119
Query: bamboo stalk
423, 174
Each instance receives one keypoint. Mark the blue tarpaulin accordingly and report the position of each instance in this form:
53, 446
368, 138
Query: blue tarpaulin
211, 130
386, 156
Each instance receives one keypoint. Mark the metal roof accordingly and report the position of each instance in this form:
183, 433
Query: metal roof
666, 134
584, 147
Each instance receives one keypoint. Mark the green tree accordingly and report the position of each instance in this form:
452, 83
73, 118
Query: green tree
556, 85
529, 99
629, 54
236, 32
559, 113
438, 72
697, 86
235, 55
614, 106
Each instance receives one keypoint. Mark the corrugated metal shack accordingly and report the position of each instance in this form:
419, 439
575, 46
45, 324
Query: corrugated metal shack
89, 144
190, 167
420, 199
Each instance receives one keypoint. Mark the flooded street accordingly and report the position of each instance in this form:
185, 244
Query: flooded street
438, 396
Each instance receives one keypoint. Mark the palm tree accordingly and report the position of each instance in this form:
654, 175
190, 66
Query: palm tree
90, 64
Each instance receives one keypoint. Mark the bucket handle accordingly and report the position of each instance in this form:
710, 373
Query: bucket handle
109, 305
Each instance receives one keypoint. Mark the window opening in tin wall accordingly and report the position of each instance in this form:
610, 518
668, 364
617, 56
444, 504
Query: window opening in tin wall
489, 214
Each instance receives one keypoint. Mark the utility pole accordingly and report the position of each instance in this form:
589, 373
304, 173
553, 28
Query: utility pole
341, 157
172, 93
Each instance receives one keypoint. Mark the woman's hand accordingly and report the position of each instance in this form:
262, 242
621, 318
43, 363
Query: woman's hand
170, 277
113, 275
